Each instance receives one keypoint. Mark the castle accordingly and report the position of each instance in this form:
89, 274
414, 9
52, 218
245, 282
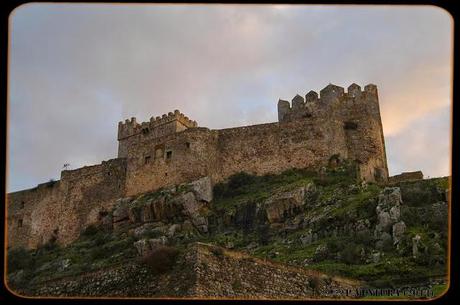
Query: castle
311, 132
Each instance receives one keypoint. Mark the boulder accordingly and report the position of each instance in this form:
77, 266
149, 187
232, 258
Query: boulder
147, 213
287, 204
376, 257
173, 229
157, 227
388, 210
189, 204
120, 212
159, 209
142, 246
187, 228
134, 214
384, 221
398, 231
391, 196
321, 252
202, 189
63, 264
307, 239
155, 242
107, 222
415, 245
395, 213
385, 241
192, 208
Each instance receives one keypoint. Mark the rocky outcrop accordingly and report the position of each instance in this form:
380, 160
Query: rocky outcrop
388, 212
172, 206
202, 189
146, 246
193, 209
287, 204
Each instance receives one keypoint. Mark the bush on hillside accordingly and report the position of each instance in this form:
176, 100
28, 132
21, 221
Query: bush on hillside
161, 259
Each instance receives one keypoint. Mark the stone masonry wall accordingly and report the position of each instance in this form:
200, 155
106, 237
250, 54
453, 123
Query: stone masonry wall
171, 160
63, 208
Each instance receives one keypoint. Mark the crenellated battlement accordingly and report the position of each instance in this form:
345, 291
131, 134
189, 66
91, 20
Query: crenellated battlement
301, 107
129, 128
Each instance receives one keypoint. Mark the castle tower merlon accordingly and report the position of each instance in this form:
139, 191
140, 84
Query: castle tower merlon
284, 107
330, 92
354, 90
311, 97
128, 128
297, 103
371, 89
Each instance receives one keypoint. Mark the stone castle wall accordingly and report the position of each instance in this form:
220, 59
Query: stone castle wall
172, 149
63, 208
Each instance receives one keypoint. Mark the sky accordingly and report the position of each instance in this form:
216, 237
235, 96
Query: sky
76, 70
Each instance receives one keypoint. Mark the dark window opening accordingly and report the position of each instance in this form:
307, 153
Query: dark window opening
145, 131
350, 126
187, 144
19, 223
22, 205
168, 154
166, 174
109, 174
147, 159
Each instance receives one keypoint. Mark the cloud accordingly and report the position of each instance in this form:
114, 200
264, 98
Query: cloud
78, 69
423, 145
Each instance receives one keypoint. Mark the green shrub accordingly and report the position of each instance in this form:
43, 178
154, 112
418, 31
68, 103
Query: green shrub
91, 230
19, 258
217, 251
241, 179
98, 253
351, 254
314, 283
101, 238
161, 259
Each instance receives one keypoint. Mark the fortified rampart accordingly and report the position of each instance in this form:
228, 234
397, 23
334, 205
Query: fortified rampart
311, 132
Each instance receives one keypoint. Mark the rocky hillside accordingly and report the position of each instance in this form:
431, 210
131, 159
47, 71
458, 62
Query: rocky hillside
303, 222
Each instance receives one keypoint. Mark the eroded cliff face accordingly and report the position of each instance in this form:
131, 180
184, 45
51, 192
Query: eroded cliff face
299, 223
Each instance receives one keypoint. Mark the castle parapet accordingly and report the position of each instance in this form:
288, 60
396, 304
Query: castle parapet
302, 108
176, 120
330, 92
127, 128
